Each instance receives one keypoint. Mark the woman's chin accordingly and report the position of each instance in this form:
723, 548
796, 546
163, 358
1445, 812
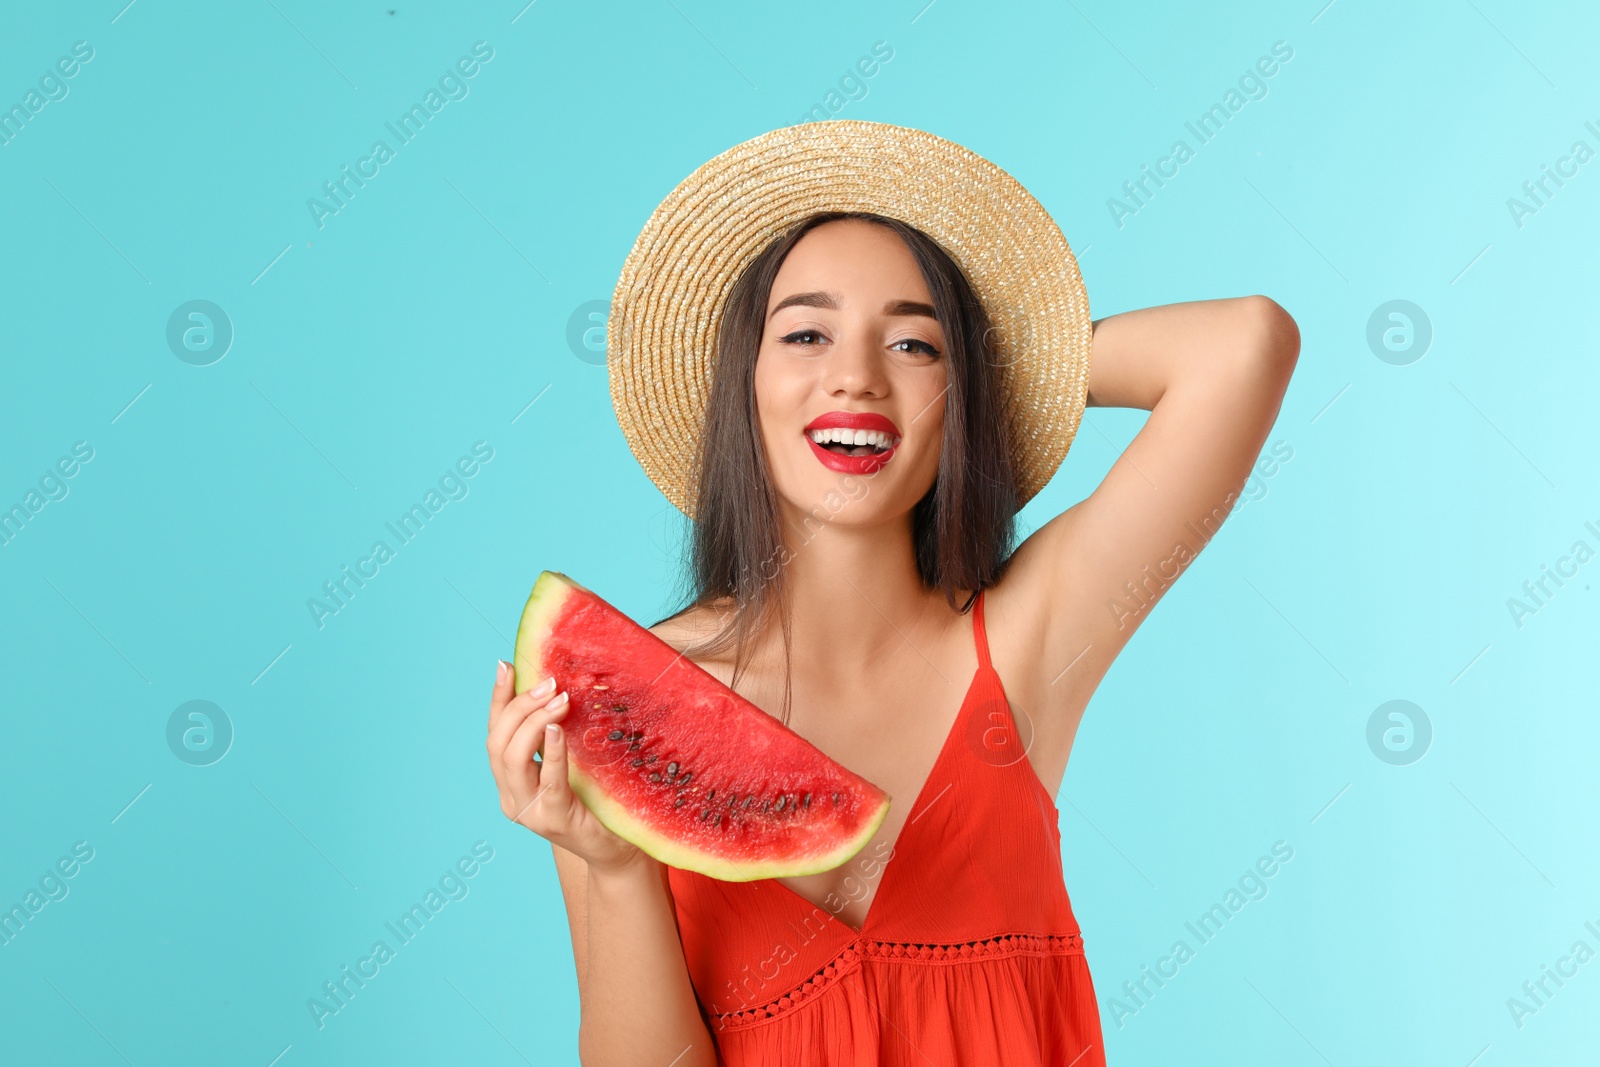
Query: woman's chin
845, 500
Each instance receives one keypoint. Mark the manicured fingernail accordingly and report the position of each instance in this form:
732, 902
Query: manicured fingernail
559, 700
544, 687
553, 731
499, 672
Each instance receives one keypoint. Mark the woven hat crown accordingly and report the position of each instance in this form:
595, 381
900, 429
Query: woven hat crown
668, 302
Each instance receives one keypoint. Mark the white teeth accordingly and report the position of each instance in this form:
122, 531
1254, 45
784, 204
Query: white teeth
853, 438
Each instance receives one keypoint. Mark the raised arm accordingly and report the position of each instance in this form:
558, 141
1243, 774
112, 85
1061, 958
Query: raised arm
1212, 374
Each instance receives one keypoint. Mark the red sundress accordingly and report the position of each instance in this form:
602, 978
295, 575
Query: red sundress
969, 954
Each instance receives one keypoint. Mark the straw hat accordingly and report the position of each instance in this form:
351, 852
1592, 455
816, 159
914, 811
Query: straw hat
662, 328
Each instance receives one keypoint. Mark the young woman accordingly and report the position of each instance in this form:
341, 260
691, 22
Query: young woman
871, 597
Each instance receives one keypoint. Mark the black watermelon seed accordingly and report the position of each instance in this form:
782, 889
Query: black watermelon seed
805, 801
715, 819
672, 768
679, 802
638, 763
710, 795
781, 802
618, 707
655, 776
732, 800
751, 799
766, 805
651, 758
615, 735
836, 798
637, 734
705, 814
684, 777
633, 745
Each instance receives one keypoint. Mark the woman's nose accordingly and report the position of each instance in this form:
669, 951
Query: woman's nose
855, 369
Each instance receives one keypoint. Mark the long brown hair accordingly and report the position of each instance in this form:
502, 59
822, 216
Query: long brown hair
962, 528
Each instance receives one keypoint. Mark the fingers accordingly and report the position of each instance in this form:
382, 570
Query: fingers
553, 774
507, 712
515, 710
520, 725
529, 734
522, 775
501, 692
554, 792
505, 688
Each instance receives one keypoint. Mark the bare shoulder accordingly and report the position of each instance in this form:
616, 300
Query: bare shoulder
693, 626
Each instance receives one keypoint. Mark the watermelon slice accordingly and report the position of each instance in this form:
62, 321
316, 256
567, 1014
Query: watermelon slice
672, 760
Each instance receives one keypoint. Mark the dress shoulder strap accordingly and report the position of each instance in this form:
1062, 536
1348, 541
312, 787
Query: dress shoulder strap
979, 636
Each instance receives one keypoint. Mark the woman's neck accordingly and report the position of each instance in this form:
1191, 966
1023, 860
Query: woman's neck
856, 597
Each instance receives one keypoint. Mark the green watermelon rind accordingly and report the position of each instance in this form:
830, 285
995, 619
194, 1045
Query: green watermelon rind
544, 604
674, 853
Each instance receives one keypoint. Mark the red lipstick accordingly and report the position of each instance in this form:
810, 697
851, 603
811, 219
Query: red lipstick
853, 420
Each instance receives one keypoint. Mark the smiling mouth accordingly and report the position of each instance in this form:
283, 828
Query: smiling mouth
845, 442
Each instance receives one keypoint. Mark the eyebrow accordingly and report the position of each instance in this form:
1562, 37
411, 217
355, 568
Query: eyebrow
824, 299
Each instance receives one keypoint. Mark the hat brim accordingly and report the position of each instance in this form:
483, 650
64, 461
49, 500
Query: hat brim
661, 333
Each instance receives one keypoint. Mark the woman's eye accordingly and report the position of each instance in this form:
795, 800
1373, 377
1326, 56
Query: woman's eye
918, 346
809, 337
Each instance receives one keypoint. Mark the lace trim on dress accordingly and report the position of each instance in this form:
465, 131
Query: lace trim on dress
1004, 945
848, 960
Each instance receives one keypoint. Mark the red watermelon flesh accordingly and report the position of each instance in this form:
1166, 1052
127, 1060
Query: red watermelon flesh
672, 760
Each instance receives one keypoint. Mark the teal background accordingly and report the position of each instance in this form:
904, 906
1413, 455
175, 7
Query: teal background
371, 352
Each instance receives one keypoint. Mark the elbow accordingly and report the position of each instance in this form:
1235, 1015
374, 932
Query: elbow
1256, 345
1275, 336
